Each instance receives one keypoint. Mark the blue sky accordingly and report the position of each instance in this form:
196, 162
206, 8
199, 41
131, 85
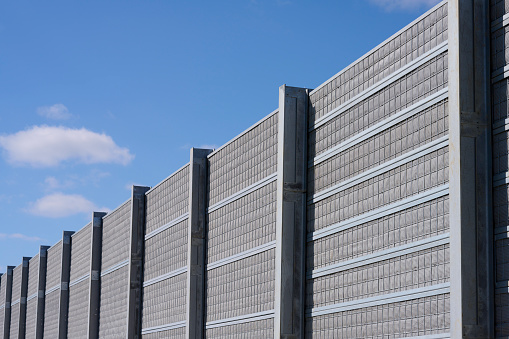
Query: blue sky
98, 95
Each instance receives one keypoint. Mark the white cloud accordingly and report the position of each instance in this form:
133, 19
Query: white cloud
46, 146
56, 112
19, 236
59, 205
52, 183
390, 5
209, 146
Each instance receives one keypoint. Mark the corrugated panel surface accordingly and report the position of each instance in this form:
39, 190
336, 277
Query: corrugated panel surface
116, 235
243, 224
14, 320
243, 287
3, 284
77, 326
81, 250
178, 333
244, 161
168, 200
113, 305
255, 330
33, 285
418, 39
30, 321
16, 294
51, 314
33, 275
165, 302
54, 268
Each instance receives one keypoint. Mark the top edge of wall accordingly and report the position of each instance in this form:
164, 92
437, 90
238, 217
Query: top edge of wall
116, 209
81, 229
54, 245
34, 258
440, 4
243, 133
168, 177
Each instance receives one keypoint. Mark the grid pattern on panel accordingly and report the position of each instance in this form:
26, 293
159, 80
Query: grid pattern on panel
30, 320
406, 136
426, 80
406, 180
498, 8
178, 333
502, 259
255, 330
168, 200
404, 227
243, 287
116, 232
3, 289
54, 267
77, 326
2, 316
51, 314
81, 250
113, 305
164, 302
14, 321
33, 275
166, 251
499, 95
16, 283
501, 315
243, 224
501, 152
379, 63
501, 206
419, 269
244, 161
500, 48
423, 316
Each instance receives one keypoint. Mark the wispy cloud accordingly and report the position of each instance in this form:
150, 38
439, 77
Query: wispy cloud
60, 205
208, 146
52, 183
19, 236
404, 5
47, 146
56, 112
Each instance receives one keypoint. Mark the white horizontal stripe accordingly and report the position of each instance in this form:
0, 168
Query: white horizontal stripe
431, 336
501, 179
115, 267
242, 255
398, 206
385, 167
168, 177
2, 306
30, 297
53, 289
240, 319
251, 188
161, 328
165, 276
499, 23
401, 72
15, 302
80, 279
381, 255
381, 126
381, 300
168, 225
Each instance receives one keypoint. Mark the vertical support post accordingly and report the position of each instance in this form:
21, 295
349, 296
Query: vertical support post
95, 275
196, 244
41, 295
64, 284
470, 170
8, 300
134, 303
291, 213
23, 299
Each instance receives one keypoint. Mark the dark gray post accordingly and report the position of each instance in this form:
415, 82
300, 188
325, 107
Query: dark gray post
134, 303
196, 244
41, 295
470, 170
95, 275
8, 300
291, 213
64, 284
23, 299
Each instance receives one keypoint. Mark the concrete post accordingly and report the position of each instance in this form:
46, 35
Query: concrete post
23, 299
8, 300
470, 170
64, 284
95, 275
134, 303
41, 288
196, 244
291, 213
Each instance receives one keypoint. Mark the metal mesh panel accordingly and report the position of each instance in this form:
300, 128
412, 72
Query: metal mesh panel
3, 285
2, 316
255, 329
243, 224
410, 89
77, 326
410, 134
113, 306
243, 287
501, 206
414, 177
246, 160
51, 314
499, 95
178, 333
414, 270
499, 48
502, 315
378, 64
81, 250
16, 283
168, 200
416, 317
116, 235
165, 302
498, 8
54, 268
14, 321
500, 152
166, 251
30, 320
406, 226
502, 259
33, 275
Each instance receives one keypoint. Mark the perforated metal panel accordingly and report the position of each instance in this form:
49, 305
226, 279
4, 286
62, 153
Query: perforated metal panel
498, 9
32, 296
113, 305
80, 252
51, 314
31, 320
15, 303
255, 330
3, 285
54, 268
116, 228
179, 333
77, 326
